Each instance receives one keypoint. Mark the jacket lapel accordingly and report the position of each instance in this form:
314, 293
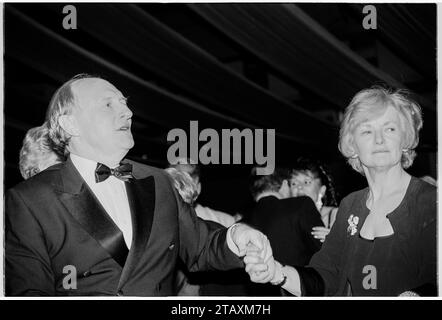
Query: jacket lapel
87, 210
141, 195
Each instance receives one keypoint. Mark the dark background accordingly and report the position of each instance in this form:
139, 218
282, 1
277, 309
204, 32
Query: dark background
291, 67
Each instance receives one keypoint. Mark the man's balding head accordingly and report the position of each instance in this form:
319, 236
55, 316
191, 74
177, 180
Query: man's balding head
62, 103
89, 116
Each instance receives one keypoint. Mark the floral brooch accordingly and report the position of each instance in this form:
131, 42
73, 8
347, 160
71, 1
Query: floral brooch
352, 224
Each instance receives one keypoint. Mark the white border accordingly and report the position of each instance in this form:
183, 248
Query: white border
179, 298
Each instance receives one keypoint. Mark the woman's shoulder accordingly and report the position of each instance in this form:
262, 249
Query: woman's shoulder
354, 196
422, 187
423, 193
424, 196
350, 205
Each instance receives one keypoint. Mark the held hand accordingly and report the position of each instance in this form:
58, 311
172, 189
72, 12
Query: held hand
258, 270
320, 233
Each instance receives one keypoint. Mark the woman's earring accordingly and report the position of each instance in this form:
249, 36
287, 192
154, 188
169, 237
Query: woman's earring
354, 156
405, 150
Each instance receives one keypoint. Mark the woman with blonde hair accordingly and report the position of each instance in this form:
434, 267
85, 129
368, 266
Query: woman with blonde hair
383, 242
37, 153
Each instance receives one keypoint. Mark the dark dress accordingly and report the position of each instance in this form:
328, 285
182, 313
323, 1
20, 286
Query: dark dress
386, 266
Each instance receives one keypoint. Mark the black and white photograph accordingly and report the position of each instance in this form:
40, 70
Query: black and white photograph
234, 150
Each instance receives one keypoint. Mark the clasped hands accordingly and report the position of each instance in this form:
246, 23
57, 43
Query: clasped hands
257, 252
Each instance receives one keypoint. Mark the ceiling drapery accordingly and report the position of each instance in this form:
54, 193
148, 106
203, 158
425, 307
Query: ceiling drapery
298, 47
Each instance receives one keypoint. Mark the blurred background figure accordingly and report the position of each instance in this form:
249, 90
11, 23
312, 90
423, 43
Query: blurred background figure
206, 213
285, 220
37, 153
185, 185
310, 178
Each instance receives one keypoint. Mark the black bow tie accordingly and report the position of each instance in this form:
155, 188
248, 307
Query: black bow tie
122, 172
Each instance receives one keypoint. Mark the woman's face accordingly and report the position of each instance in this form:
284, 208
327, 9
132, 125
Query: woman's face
378, 142
305, 184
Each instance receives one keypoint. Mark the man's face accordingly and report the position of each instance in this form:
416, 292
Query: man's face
102, 118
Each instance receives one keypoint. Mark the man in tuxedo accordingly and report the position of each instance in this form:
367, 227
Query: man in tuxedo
286, 221
97, 225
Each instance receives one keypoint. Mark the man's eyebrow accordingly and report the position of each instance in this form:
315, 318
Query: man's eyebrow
364, 124
113, 96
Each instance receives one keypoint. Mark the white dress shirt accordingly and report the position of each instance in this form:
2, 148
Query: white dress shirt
111, 194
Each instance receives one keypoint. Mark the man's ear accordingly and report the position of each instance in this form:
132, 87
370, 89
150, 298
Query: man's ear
67, 122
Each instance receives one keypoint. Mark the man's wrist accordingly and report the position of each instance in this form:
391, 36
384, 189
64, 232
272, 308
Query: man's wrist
233, 228
230, 243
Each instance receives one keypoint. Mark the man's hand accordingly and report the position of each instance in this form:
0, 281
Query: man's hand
249, 239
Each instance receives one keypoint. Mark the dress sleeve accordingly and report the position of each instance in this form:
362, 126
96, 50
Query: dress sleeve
327, 261
426, 244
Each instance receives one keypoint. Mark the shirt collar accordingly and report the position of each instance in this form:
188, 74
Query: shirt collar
86, 167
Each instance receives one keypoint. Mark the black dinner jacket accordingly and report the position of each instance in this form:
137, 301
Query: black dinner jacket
288, 225
54, 224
